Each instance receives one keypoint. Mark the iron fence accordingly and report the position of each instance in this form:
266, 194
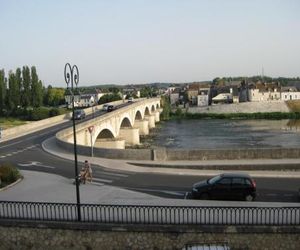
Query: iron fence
159, 215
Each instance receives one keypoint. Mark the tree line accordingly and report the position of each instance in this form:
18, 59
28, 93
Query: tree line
22, 90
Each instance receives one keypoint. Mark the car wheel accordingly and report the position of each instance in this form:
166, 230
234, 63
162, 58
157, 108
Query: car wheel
249, 197
204, 196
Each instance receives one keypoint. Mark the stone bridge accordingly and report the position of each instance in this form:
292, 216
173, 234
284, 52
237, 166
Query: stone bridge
117, 129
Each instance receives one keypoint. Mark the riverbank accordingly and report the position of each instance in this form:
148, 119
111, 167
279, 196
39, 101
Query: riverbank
244, 107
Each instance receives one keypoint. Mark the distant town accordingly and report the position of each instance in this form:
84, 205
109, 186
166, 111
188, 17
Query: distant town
200, 94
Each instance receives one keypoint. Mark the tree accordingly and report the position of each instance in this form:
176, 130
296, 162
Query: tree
165, 104
26, 94
19, 86
12, 95
55, 96
36, 89
109, 98
2, 91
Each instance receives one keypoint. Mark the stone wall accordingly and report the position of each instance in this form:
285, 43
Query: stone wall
163, 154
39, 235
243, 107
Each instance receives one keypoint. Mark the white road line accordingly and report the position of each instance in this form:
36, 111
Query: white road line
2, 156
8, 155
110, 174
102, 180
178, 193
97, 183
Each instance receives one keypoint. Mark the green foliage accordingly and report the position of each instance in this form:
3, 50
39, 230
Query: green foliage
36, 89
148, 92
2, 91
57, 111
109, 98
114, 90
8, 174
178, 112
269, 116
26, 93
38, 114
54, 96
165, 104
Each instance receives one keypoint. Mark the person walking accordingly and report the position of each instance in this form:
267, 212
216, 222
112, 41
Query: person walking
88, 172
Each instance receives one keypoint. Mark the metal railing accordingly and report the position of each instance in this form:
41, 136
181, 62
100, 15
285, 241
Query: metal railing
158, 215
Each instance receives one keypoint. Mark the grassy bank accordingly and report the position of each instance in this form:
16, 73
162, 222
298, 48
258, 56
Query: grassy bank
270, 115
10, 122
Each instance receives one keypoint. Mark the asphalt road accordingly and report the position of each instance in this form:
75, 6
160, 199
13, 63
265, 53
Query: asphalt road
27, 153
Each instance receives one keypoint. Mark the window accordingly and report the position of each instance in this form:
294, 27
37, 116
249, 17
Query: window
224, 181
248, 182
238, 181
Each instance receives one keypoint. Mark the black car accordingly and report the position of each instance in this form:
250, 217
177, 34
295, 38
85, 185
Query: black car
229, 186
79, 114
110, 108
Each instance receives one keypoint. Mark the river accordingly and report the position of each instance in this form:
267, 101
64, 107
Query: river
214, 133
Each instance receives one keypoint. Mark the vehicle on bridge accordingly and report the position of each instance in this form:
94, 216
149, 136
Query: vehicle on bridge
105, 106
228, 186
79, 114
110, 108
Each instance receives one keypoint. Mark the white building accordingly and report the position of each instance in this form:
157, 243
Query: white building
264, 92
88, 98
289, 93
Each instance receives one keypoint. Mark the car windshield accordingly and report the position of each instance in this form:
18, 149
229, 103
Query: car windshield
214, 179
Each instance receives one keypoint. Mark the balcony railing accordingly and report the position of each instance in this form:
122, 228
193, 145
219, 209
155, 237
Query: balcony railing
158, 215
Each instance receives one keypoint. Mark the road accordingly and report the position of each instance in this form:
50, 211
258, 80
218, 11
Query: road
27, 153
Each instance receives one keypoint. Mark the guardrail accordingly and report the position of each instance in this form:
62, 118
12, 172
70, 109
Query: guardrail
156, 215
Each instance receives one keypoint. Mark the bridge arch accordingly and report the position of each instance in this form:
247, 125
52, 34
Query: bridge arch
138, 115
147, 111
105, 134
125, 123
152, 108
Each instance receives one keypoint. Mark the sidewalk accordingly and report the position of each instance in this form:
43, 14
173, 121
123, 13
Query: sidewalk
179, 167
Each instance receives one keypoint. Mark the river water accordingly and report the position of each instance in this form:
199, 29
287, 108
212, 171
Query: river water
215, 133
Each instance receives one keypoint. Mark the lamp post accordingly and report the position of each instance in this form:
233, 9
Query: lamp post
72, 77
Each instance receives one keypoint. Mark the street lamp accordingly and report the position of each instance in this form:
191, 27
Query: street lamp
71, 77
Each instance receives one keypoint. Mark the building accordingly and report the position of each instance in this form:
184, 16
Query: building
264, 92
290, 93
174, 96
84, 98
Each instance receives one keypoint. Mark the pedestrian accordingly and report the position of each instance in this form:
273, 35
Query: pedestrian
88, 172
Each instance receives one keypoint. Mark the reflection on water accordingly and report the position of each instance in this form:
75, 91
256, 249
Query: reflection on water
228, 133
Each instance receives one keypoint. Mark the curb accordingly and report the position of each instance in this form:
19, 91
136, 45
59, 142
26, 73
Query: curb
12, 184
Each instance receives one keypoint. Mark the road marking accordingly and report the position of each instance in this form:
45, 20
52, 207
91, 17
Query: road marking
177, 193
34, 163
109, 173
2, 156
102, 180
97, 183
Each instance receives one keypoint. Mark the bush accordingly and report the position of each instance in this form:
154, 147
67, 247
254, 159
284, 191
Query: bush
38, 114
8, 174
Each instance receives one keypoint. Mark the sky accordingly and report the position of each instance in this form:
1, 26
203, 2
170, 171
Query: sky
143, 41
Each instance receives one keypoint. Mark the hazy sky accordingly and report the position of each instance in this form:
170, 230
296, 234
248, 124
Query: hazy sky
142, 41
